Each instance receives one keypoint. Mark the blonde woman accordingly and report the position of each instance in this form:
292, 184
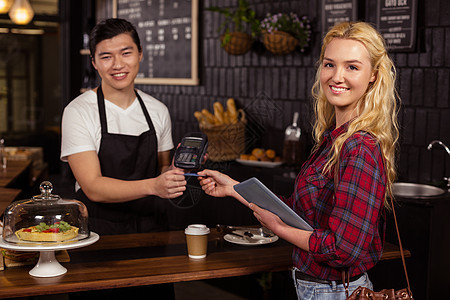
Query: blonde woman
342, 188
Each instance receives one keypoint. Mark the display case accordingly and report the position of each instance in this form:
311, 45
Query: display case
45, 219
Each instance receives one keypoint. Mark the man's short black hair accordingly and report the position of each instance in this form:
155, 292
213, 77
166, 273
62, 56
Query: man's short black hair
109, 28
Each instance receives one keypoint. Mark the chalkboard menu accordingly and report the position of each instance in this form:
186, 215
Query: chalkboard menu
168, 30
337, 11
396, 21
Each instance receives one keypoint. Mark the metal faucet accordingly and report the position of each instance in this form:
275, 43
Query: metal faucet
430, 146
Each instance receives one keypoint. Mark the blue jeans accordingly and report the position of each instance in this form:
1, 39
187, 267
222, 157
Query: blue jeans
307, 290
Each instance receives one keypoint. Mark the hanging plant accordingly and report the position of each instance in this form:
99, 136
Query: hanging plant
283, 32
238, 22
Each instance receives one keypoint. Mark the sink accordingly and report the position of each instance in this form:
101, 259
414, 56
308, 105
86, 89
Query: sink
415, 190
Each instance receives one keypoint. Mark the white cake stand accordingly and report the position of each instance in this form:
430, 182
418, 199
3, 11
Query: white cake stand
48, 265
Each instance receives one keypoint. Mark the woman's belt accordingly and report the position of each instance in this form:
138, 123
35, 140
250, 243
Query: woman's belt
306, 277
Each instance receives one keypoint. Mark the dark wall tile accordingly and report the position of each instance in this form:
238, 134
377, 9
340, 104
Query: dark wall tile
433, 126
444, 127
284, 83
244, 83
420, 127
429, 87
447, 47
425, 174
215, 81
292, 84
400, 59
300, 83
417, 87
260, 77
404, 78
413, 166
237, 82
425, 57
222, 82
413, 59
444, 13
276, 83
252, 79
211, 52
432, 9
437, 59
443, 88
407, 127
229, 83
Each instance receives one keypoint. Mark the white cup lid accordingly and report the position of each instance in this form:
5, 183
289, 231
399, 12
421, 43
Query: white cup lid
196, 229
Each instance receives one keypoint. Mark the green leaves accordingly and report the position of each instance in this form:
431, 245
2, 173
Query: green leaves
240, 19
62, 226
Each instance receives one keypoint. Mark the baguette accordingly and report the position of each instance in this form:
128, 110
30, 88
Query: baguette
209, 117
200, 118
232, 112
226, 117
218, 112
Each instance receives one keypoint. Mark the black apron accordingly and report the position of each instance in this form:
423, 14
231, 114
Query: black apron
126, 157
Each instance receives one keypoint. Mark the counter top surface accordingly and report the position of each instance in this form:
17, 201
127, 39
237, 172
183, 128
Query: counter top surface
14, 169
151, 258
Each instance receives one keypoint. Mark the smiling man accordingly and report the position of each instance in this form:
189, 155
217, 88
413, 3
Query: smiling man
117, 140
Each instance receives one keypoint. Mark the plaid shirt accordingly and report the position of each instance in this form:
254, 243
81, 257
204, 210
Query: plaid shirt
347, 218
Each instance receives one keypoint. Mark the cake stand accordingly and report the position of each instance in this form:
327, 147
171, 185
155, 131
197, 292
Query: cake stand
48, 265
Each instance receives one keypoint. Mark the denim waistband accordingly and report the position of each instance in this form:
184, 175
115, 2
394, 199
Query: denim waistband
306, 277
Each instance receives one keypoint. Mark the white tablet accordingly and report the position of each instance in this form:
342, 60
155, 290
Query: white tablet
255, 192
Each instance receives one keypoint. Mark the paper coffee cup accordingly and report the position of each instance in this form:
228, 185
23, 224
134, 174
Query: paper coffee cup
197, 240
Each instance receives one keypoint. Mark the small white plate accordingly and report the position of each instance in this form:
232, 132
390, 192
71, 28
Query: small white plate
254, 163
259, 240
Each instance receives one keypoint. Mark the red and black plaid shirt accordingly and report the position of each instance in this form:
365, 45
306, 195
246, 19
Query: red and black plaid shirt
348, 218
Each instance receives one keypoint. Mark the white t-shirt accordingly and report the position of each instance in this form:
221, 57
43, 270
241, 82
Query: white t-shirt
81, 130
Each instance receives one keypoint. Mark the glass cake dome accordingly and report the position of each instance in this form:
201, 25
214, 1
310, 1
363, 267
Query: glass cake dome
45, 219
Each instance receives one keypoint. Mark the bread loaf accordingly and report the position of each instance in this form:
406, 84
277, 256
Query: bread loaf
218, 112
232, 112
200, 118
209, 117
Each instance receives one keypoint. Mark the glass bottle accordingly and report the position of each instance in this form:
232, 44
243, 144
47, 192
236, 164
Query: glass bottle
292, 147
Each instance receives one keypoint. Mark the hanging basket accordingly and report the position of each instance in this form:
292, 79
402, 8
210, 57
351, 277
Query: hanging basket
279, 42
239, 43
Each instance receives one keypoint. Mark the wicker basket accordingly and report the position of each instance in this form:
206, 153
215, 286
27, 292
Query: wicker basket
226, 142
279, 42
239, 43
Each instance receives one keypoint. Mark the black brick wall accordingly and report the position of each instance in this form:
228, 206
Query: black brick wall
285, 81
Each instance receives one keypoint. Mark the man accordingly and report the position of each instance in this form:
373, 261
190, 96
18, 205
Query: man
117, 140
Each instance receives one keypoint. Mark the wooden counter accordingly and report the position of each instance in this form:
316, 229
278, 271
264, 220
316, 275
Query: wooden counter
151, 258
17, 174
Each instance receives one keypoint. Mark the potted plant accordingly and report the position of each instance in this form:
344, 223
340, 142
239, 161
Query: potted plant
283, 32
236, 40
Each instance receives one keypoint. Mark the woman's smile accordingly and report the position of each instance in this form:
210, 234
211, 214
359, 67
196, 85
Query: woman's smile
338, 90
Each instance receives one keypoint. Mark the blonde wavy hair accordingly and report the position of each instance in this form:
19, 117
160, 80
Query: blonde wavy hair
376, 111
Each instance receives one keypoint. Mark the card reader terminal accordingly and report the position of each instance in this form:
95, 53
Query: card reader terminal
190, 153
